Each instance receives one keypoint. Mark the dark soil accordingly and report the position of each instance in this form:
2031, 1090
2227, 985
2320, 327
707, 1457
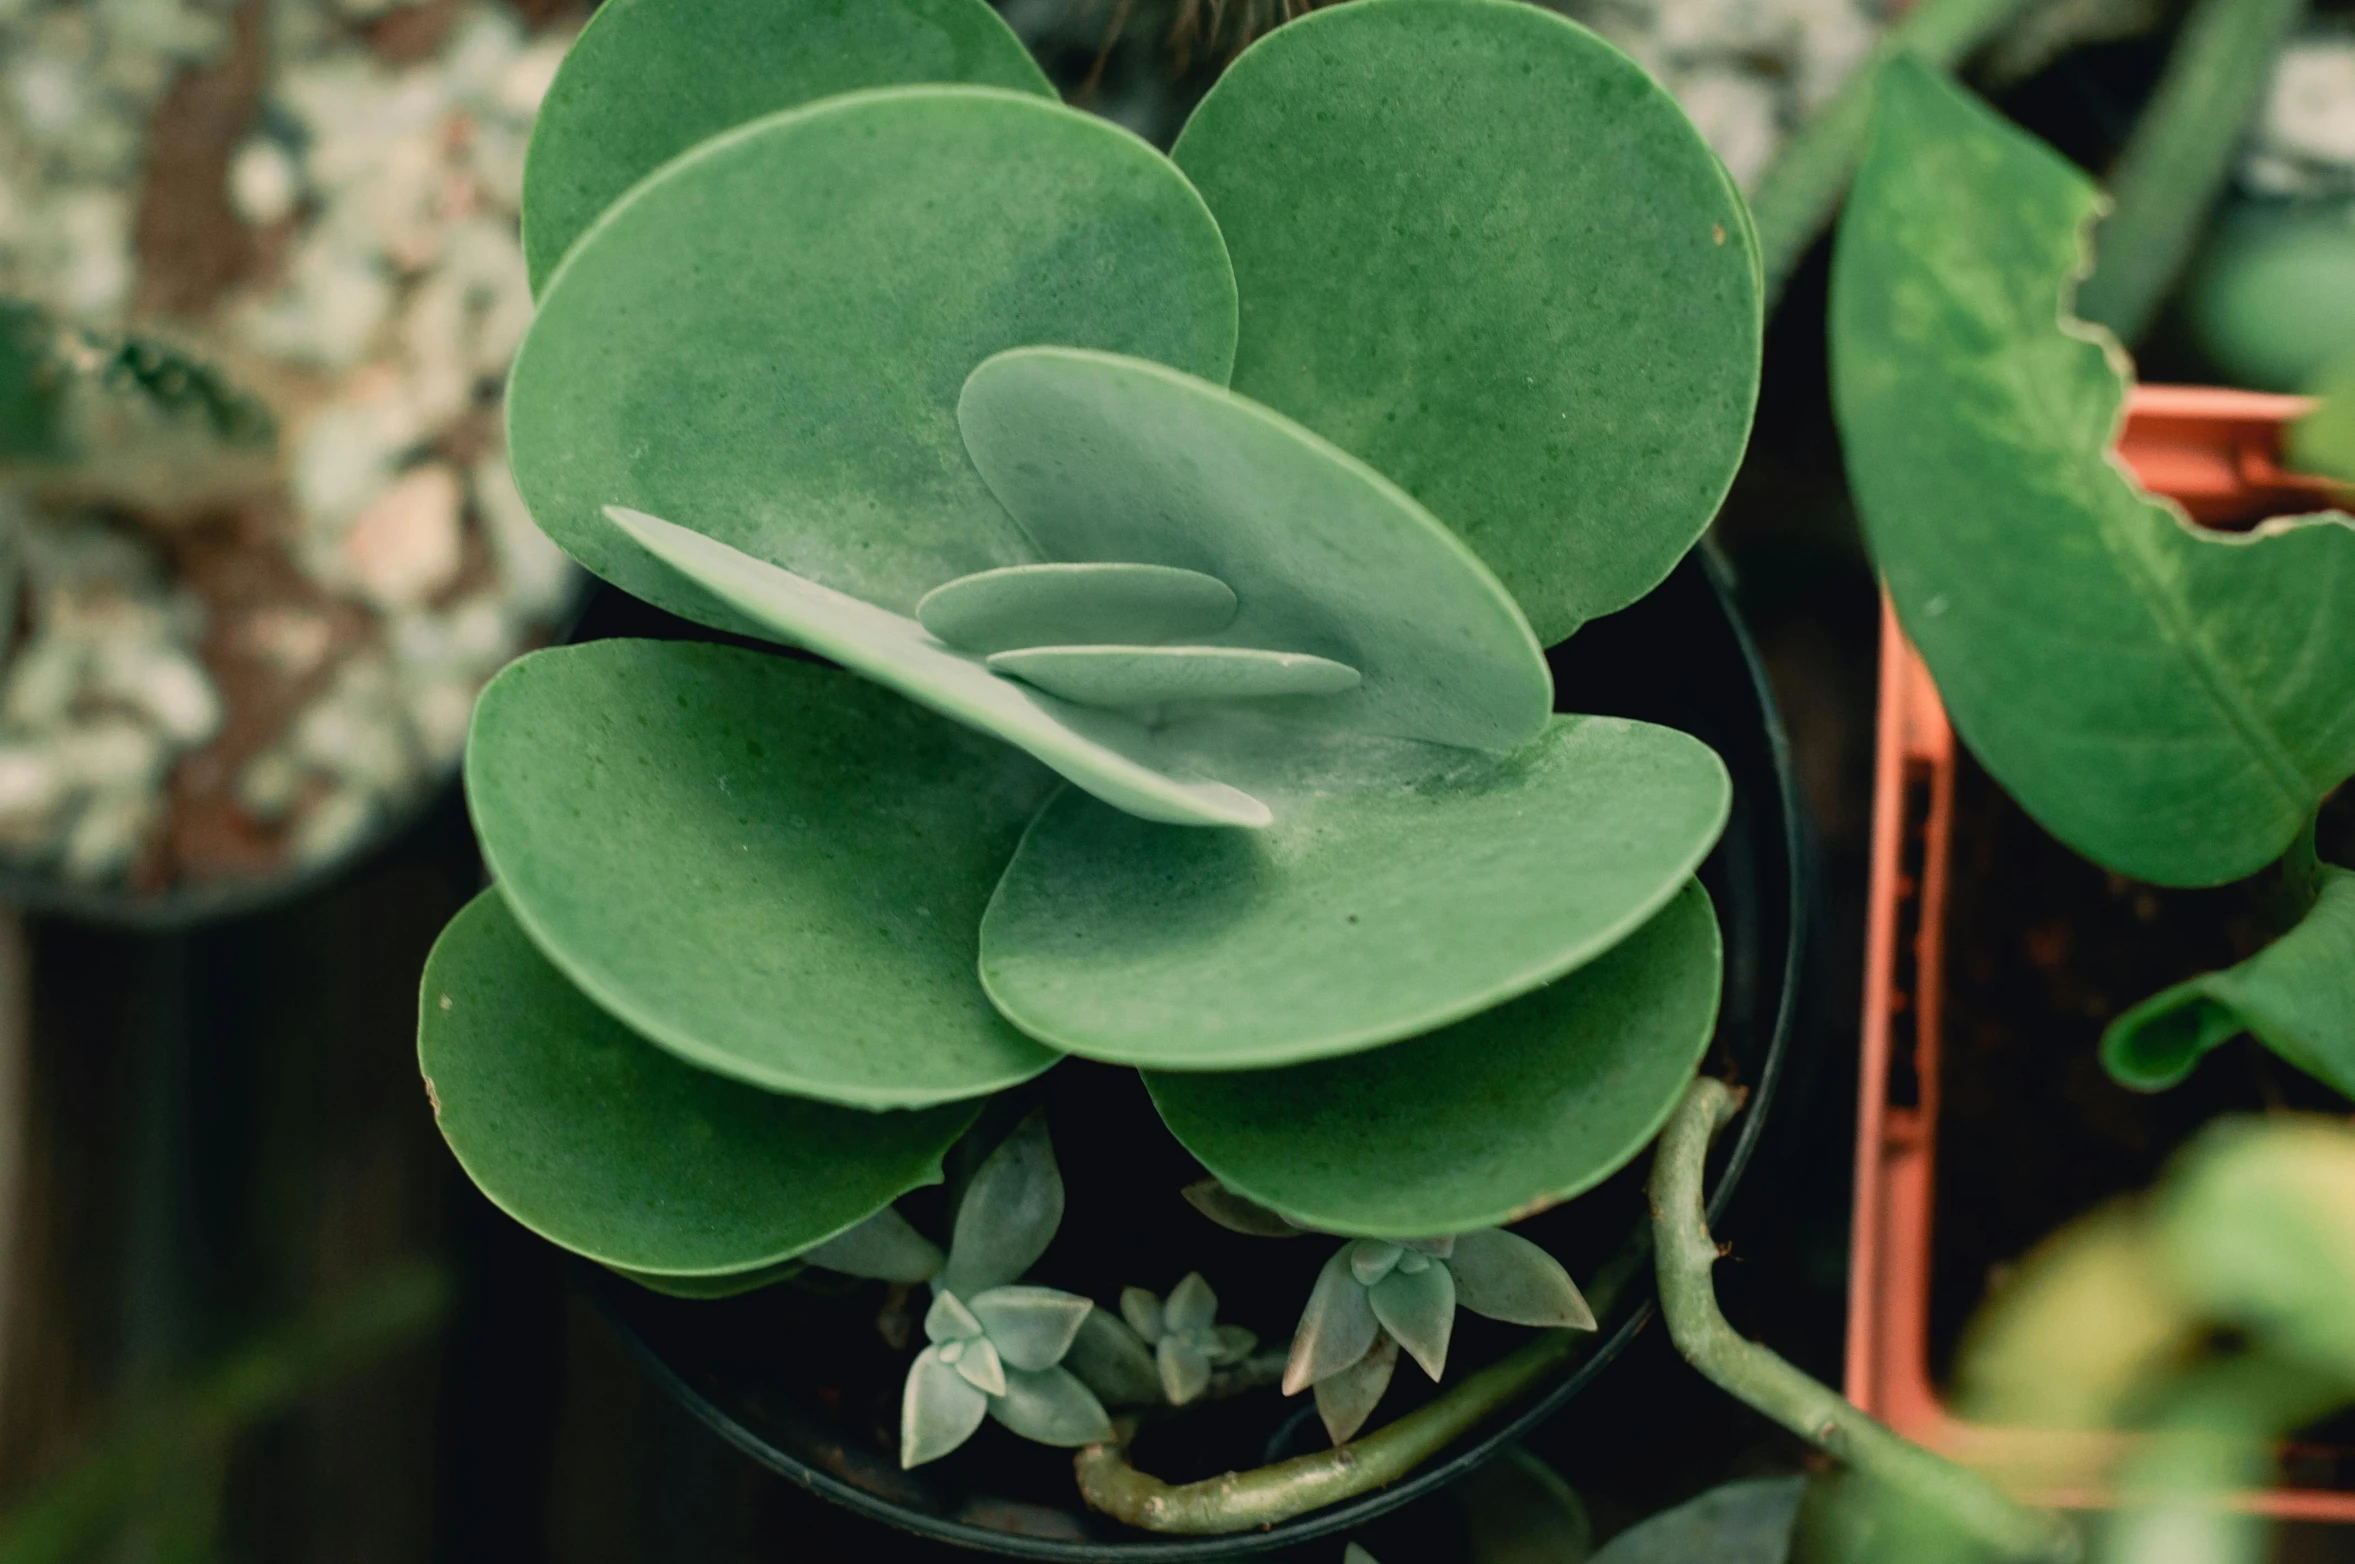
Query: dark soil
2043, 948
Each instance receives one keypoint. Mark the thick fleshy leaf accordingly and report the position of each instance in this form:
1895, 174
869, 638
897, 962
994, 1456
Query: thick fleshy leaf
766, 340
1400, 888
939, 1409
647, 79
1371, 1259
772, 869
1336, 1328
1419, 1308
1231, 1343
1051, 1407
1474, 1125
1032, 1326
1151, 675
1114, 1362
949, 1320
2169, 701
1480, 248
979, 1362
1347, 1398
1185, 1368
1142, 1310
1191, 1306
1076, 605
2297, 995
726, 1284
600, 1142
1113, 756
1009, 1212
1506, 1277
886, 1248
1100, 457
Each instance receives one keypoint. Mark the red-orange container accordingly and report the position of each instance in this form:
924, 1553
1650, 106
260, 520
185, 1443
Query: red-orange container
2218, 453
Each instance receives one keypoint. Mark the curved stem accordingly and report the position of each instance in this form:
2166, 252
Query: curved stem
1685, 1253
1241, 1501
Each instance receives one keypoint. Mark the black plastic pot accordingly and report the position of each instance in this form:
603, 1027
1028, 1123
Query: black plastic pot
804, 1384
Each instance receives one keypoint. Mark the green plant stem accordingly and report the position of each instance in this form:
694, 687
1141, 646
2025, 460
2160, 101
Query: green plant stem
1241, 1501
1685, 1253
66, 1516
2176, 160
1801, 190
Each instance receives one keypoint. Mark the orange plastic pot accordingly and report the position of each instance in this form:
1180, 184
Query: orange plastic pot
2217, 452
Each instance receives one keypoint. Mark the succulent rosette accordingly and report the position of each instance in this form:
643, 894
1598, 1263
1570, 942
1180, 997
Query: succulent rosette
1177, 539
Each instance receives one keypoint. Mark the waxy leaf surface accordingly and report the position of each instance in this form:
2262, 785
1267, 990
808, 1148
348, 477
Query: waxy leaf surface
648, 79
1401, 887
1480, 248
2169, 701
2297, 995
770, 868
1076, 605
1112, 755
1100, 457
1530, 1103
1119, 676
766, 341
608, 1146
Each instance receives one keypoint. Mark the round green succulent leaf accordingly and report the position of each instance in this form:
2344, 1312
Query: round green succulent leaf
1112, 459
771, 868
610, 1147
766, 340
1474, 1125
1401, 887
1480, 248
1112, 755
1076, 605
648, 79
1119, 676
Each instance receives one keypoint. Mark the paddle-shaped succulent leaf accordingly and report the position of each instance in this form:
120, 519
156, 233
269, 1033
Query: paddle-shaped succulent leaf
1486, 252
615, 1149
997, 1346
1183, 1330
1374, 1297
2172, 702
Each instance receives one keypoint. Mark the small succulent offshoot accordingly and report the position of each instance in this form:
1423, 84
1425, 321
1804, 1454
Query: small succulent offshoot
1186, 1340
995, 1347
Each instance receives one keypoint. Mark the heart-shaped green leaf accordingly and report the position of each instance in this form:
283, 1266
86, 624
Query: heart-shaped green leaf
647, 79
766, 340
1520, 1106
1107, 458
1112, 755
1402, 887
2171, 702
1076, 605
1119, 676
604, 1144
772, 869
2297, 995
1480, 248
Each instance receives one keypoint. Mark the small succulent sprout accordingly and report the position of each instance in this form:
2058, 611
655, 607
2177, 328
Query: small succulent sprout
1375, 1296
1187, 1341
1356, 1554
996, 1346
885, 1248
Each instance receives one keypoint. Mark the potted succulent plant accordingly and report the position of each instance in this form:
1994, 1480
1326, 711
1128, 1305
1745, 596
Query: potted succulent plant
2168, 698
1184, 537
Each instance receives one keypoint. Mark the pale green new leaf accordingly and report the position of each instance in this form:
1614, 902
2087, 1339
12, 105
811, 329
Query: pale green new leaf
1185, 1368
1009, 1213
886, 1248
1419, 1308
1032, 1326
1348, 1396
1336, 1329
2169, 701
939, 1410
1506, 1277
1113, 1361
